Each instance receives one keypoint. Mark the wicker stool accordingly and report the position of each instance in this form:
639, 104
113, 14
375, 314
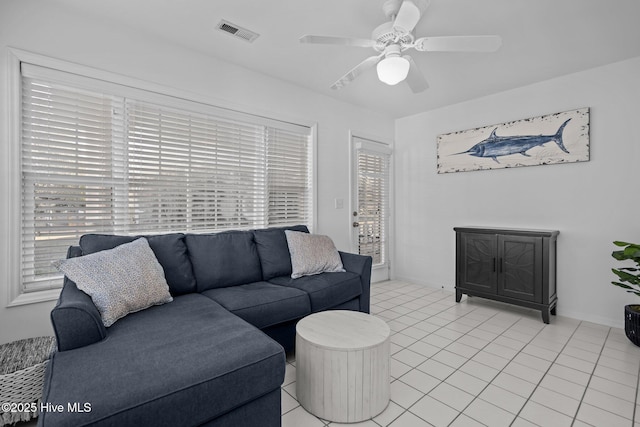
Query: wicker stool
22, 366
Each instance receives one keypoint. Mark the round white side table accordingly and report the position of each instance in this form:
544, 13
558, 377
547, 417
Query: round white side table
342, 365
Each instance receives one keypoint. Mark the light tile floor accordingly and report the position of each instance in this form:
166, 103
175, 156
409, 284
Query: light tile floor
483, 363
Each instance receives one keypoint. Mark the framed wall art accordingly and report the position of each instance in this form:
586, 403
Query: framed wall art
544, 140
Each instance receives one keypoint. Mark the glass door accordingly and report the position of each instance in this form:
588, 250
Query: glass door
370, 215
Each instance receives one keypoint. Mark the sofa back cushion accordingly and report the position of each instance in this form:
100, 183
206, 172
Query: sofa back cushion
275, 258
223, 259
169, 249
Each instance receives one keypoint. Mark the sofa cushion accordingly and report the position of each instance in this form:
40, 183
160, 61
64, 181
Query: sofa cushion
325, 290
262, 304
170, 250
275, 258
122, 280
223, 259
312, 254
190, 360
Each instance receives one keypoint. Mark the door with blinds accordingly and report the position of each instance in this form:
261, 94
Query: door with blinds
370, 215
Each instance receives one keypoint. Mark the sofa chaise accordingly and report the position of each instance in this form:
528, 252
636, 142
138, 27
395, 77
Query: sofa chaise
213, 356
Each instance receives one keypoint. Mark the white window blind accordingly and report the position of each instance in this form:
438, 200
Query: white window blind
194, 172
98, 161
373, 199
288, 177
67, 176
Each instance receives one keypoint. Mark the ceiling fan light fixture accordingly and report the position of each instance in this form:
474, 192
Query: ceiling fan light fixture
393, 38
393, 69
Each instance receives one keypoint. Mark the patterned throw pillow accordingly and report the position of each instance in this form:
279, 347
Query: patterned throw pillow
312, 254
120, 281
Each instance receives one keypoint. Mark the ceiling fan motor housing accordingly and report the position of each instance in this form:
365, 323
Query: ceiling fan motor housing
385, 34
392, 50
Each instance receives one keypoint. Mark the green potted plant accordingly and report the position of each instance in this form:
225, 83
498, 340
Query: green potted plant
629, 279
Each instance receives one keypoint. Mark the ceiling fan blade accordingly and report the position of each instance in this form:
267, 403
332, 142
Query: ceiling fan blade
409, 14
415, 79
458, 44
344, 41
356, 71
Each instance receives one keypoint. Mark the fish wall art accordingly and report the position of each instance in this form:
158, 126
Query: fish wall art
544, 140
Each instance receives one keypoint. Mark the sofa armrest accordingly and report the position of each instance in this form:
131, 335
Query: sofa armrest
76, 320
361, 265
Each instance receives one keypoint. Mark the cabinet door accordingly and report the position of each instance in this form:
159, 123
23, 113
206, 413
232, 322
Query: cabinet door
520, 267
477, 262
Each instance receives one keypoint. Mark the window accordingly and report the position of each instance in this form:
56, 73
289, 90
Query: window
98, 157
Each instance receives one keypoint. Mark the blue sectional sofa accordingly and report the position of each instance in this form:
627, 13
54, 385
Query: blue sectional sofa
214, 356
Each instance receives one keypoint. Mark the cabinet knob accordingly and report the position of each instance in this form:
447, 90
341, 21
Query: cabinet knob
356, 224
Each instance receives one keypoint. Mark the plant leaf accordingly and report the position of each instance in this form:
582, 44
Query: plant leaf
619, 243
619, 255
632, 251
629, 275
622, 285
626, 277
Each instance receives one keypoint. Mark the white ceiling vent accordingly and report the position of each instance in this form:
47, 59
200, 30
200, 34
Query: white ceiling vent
237, 31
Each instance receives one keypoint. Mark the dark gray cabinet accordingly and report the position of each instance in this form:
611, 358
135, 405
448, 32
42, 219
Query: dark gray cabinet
512, 266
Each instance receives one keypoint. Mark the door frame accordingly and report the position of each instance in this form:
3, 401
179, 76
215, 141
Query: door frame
383, 271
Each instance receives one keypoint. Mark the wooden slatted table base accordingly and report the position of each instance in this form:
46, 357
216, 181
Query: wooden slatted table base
342, 365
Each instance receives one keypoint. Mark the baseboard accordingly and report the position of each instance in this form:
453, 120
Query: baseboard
424, 283
586, 317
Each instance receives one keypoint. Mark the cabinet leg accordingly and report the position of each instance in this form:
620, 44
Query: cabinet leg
458, 295
545, 315
553, 310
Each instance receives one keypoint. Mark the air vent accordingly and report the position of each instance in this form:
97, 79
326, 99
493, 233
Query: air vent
237, 31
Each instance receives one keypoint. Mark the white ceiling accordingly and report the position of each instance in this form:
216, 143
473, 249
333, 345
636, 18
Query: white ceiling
541, 39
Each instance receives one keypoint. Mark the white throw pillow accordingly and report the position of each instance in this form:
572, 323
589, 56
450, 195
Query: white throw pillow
122, 280
312, 254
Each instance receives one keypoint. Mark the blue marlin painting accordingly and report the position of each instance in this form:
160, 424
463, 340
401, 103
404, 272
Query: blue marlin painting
543, 140
496, 146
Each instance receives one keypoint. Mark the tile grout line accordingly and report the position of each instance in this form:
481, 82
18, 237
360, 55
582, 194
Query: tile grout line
404, 410
636, 403
547, 371
477, 396
431, 297
488, 383
564, 346
589, 382
537, 385
457, 369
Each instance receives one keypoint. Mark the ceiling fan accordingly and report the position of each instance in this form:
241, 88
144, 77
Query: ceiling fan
391, 39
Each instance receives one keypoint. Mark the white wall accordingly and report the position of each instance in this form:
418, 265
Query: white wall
51, 30
591, 203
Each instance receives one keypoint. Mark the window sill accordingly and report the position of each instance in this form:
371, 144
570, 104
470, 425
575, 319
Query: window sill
35, 297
